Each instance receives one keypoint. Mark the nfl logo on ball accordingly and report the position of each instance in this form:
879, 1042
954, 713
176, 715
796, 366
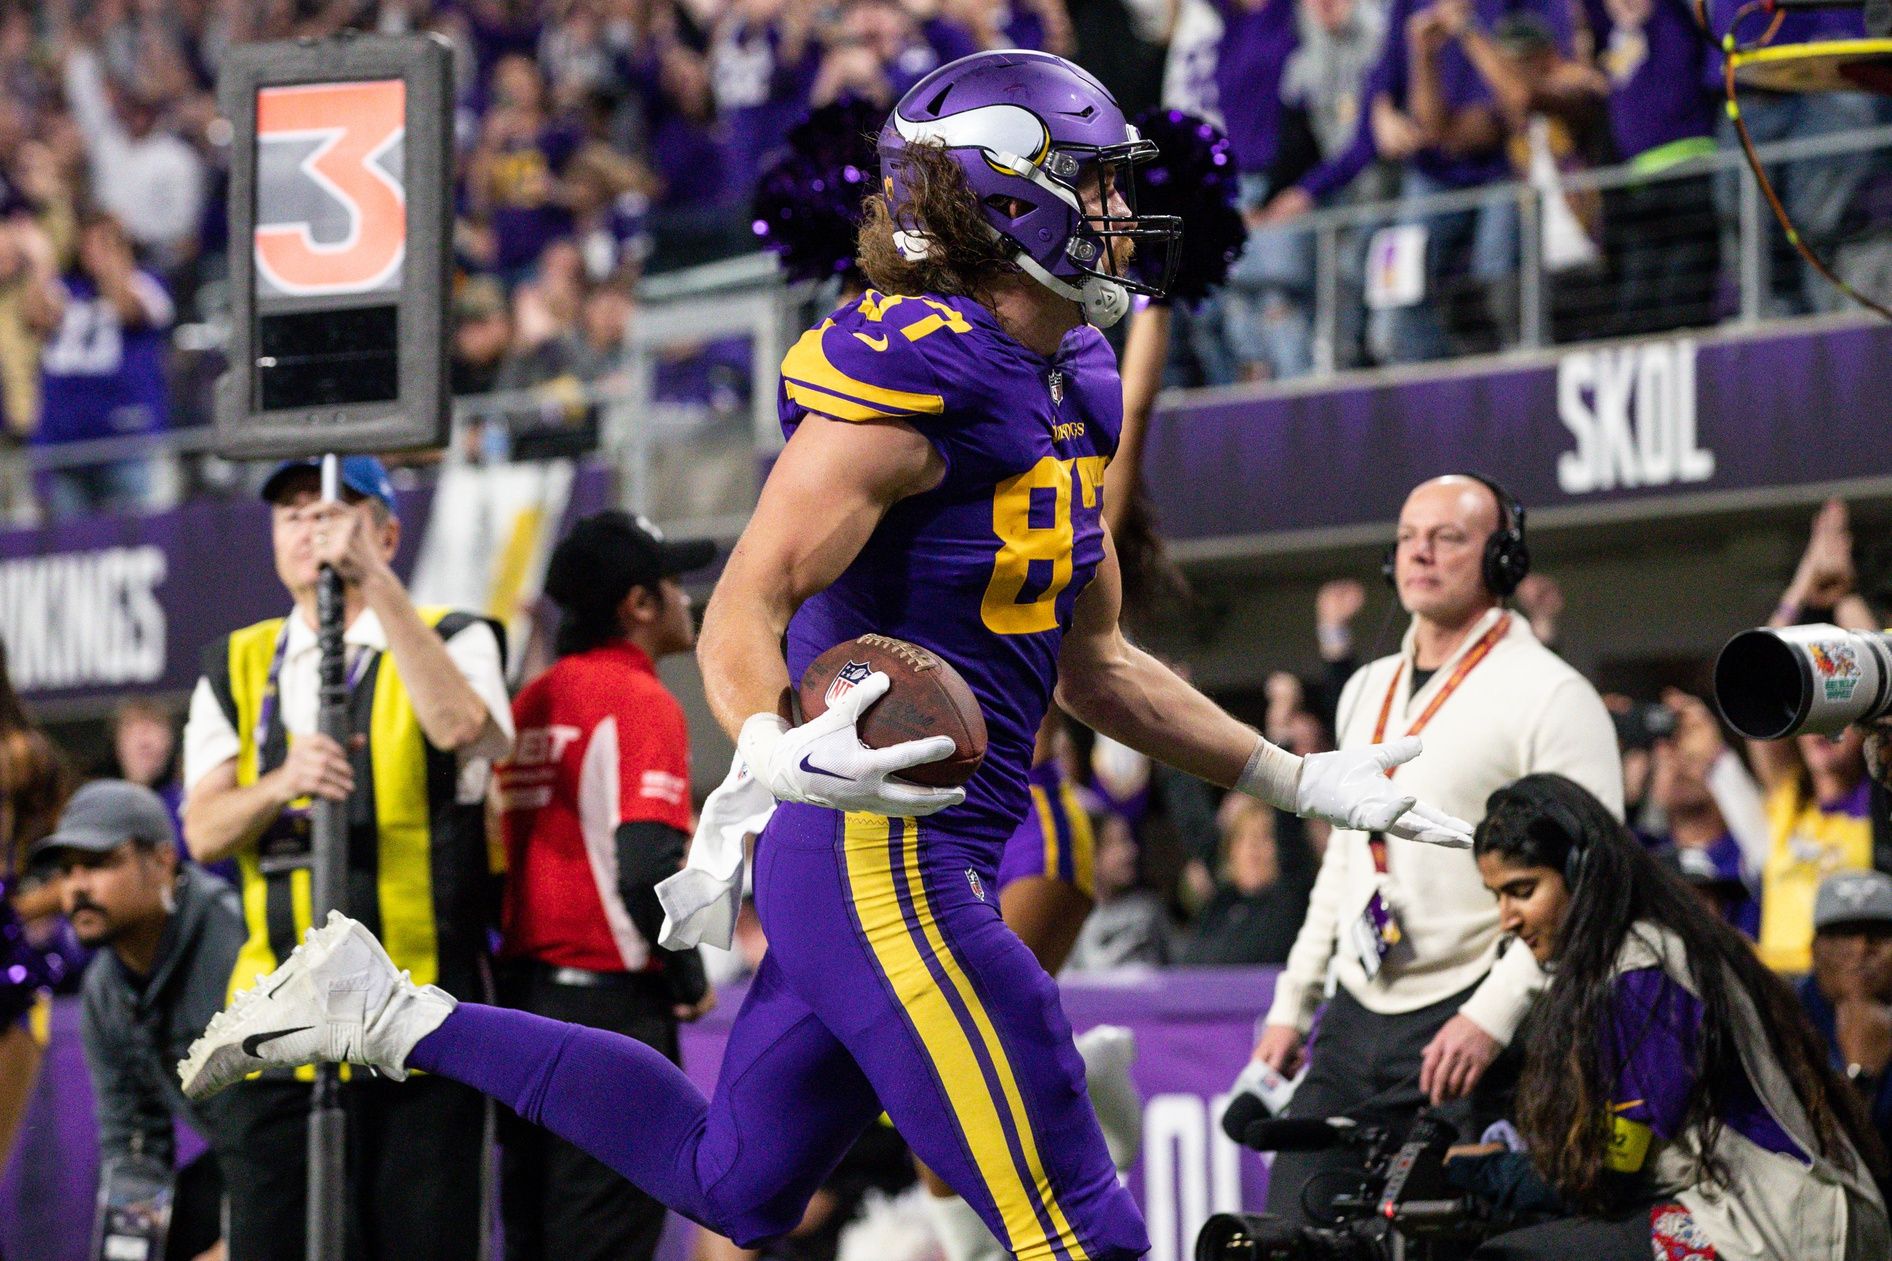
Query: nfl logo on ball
850, 674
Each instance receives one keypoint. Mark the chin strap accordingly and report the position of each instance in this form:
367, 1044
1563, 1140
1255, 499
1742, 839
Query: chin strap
1104, 301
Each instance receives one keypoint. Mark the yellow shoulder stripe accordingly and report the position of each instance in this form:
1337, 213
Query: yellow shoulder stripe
806, 369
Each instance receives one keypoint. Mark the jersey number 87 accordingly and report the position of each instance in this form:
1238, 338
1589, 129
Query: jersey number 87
1021, 542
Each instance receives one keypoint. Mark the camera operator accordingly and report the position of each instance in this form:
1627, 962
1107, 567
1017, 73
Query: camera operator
1673, 1093
1424, 1003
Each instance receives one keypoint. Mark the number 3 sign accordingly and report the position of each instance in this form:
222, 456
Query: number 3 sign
341, 229
346, 136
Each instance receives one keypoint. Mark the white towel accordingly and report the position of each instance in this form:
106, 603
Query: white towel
701, 902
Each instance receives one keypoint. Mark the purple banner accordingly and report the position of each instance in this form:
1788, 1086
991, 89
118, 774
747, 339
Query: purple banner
1663, 419
1194, 1028
101, 607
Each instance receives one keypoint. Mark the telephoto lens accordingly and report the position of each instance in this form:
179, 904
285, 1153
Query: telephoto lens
1243, 1237
1771, 684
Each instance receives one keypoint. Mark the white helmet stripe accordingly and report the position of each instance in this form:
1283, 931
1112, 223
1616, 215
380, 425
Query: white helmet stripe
994, 128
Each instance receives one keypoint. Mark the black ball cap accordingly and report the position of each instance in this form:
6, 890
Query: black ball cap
606, 554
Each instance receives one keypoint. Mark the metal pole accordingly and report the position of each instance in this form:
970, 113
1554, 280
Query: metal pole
1326, 299
1531, 294
328, 1125
1752, 246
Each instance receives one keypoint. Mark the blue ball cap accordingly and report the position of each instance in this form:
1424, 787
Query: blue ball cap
362, 474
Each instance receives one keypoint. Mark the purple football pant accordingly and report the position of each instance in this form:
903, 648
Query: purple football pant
890, 982
1054, 840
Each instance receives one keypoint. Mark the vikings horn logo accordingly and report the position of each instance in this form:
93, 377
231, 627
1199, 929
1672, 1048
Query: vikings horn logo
1010, 130
845, 680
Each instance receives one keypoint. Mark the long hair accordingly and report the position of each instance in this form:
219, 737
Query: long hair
962, 255
1570, 1075
34, 778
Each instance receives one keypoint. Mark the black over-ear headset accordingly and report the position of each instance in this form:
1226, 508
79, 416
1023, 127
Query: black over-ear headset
1579, 843
1539, 800
1507, 558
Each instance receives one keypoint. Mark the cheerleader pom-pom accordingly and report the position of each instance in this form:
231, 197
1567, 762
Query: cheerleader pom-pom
808, 204
1193, 178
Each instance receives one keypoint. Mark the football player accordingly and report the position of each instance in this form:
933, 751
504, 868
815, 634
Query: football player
941, 483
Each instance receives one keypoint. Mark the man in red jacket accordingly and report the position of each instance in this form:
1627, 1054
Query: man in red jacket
596, 809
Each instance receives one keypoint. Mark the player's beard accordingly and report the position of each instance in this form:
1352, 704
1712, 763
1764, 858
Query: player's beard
1118, 250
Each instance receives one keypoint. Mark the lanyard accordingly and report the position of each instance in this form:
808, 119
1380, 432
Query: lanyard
266, 713
1466, 664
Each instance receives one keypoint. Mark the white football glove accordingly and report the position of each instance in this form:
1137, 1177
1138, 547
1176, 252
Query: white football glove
1350, 789
823, 762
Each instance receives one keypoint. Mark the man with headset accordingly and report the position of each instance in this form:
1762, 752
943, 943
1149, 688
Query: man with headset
1425, 1002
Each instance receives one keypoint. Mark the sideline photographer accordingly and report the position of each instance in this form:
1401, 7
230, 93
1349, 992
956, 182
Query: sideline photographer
1673, 1092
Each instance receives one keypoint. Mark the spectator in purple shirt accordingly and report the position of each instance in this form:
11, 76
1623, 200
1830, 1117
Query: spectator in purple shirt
762, 62
694, 218
1673, 1093
514, 179
103, 370
1663, 230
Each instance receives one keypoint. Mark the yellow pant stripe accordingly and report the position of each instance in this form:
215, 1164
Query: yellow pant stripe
946, 1041
876, 902
1083, 841
943, 1029
1048, 825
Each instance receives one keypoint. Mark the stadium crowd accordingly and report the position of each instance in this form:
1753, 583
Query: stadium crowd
601, 140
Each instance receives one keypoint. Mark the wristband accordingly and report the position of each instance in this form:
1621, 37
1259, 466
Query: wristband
1273, 775
1788, 611
757, 740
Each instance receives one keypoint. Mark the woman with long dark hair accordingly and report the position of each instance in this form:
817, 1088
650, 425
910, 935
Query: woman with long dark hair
1673, 1093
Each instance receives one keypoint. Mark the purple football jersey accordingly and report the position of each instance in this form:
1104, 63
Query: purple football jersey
985, 568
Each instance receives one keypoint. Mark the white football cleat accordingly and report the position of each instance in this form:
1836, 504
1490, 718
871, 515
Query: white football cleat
336, 999
1108, 1051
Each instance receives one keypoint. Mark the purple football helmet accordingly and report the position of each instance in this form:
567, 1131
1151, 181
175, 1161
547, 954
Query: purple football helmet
1030, 130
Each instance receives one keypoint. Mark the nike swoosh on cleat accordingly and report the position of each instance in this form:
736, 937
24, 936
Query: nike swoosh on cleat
812, 769
255, 1040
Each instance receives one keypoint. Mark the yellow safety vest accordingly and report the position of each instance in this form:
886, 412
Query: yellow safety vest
419, 874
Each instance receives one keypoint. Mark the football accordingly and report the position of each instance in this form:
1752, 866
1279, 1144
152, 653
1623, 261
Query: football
928, 698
